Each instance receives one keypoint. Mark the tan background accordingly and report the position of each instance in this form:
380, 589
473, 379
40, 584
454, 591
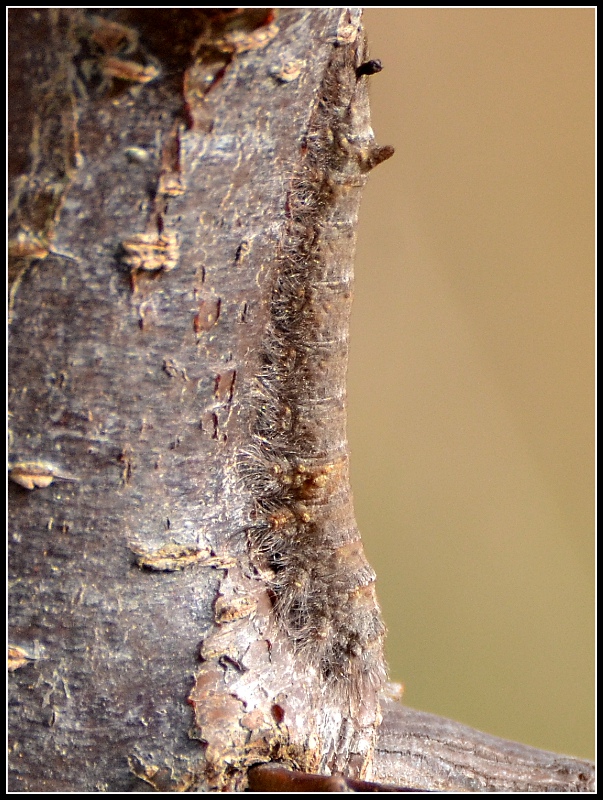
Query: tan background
471, 380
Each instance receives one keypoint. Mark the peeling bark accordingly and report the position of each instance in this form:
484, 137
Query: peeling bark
161, 634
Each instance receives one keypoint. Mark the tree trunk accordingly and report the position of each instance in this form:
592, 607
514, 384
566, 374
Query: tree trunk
189, 595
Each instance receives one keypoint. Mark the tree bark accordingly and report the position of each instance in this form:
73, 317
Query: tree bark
188, 592
437, 754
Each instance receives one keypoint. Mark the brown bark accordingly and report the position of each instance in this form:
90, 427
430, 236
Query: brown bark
437, 754
162, 633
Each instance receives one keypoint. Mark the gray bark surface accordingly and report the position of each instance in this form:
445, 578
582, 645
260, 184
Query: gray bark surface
152, 154
430, 752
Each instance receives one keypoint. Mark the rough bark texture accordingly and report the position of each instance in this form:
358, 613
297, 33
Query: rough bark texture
167, 262
188, 590
438, 754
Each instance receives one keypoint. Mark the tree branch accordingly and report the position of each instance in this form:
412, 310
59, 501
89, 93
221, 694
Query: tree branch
430, 752
189, 595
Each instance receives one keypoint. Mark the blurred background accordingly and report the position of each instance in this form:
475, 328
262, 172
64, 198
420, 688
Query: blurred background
472, 359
